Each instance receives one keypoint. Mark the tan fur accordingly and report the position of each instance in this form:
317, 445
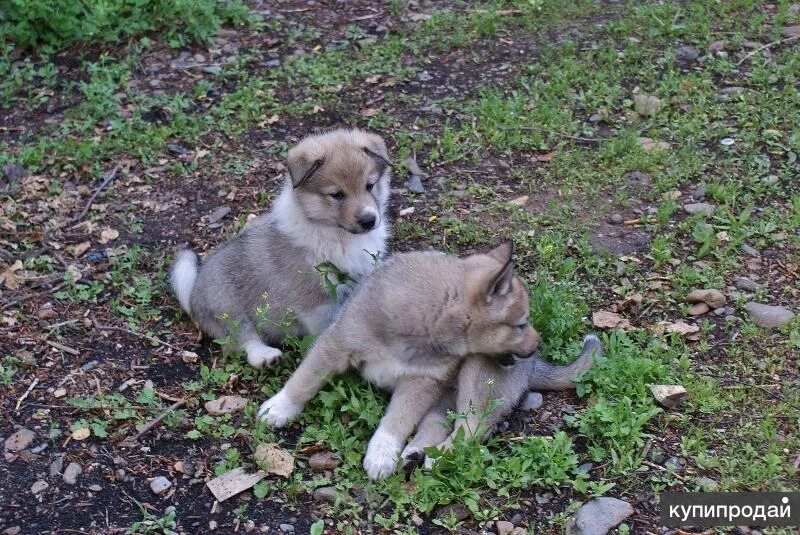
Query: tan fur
408, 329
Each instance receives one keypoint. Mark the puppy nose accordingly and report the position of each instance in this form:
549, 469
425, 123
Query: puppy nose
367, 221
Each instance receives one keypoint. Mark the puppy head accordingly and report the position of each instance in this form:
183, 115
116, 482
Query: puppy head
341, 179
498, 304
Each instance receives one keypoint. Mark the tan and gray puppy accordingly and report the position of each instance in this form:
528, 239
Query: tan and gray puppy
407, 329
332, 208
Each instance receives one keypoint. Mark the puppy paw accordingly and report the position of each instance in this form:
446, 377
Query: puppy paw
260, 355
278, 410
382, 452
412, 454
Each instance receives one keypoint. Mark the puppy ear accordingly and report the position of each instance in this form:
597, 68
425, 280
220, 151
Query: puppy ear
302, 165
376, 148
500, 281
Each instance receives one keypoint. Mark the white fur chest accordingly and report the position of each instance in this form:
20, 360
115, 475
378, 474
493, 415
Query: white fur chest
386, 370
352, 253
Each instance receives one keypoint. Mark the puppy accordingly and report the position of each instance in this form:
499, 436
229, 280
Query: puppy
263, 284
407, 329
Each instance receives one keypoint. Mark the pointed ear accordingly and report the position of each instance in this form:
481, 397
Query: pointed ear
502, 253
500, 284
375, 147
302, 165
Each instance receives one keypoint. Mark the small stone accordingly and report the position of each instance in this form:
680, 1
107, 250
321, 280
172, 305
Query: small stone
707, 484
750, 250
39, 486
637, 180
19, 440
746, 285
669, 396
699, 193
56, 466
13, 530
503, 527
687, 53
95, 488
322, 460
176, 148
585, 468
160, 484
727, 93
286, 528
519, 201
218, 214
212, 525
792, 31
699, 208
533, 401
119, 474
543, 499
646, 105
718, 46
616, 219
414, 184
325, 494
424, 76
711, 297
698, 309
719, 311
225, 405
769, 316
516, 519
675, 464
598, 516
71, 473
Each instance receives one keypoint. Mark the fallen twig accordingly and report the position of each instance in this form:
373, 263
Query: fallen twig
559, 134
101, 327
768, 45
662, 469
62, 347
20, 299
26, 393
109, 177
131, 442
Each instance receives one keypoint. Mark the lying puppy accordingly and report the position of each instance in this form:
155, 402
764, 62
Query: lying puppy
331, 209
408, 328
482, 380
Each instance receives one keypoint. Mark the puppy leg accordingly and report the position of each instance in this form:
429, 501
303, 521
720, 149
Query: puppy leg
432, 430
411, 400
325, 360
259, 354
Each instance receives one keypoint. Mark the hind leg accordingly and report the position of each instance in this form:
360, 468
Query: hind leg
259, 354
432, 430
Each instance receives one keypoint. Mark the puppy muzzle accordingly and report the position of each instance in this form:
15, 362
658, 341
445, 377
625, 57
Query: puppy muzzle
506, 360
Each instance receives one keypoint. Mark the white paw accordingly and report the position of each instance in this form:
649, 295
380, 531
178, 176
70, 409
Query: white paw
429, 462
260, 355
381, 458
278, 410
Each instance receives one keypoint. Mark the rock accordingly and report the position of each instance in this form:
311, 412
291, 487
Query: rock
519, 201
225, 405
698, 309
687, 53
585, 468
752, 251
19, 440
176, 148
325, 494
668, 396
711, 297
95, 488
13, 530
503, 527
543, 499
414, 184
274, 460
56, 466
424, 76
646, 105
746, 285
699, 208
699, 193
769, 316
675, 464
727, 93
650, 145
516, 519
718, 46
322, 460
71, 473
218, 214
637, 180
707, 484
598, 516
286, 528
792, 31
532, 401
455, 510
160, 484
39, 486
616, 219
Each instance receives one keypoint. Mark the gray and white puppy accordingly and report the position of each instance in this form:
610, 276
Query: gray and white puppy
332, 208
408, 329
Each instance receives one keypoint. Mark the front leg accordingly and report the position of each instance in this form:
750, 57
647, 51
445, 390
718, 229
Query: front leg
325, 360
411, 400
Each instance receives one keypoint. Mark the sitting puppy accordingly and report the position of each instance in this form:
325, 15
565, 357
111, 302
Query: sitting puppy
408, 328
332, 208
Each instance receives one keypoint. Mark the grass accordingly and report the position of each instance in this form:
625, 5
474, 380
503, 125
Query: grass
738, 426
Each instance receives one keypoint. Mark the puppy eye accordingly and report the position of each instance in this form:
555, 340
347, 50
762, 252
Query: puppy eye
338, 195
370, 186
521, 326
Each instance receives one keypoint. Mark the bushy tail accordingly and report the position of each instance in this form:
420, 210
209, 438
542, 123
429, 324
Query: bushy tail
182, 277
546, 376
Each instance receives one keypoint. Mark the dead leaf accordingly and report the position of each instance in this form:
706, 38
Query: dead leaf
233, 482
81, 248
189, 357
81, 434
370, 112
374, 79
546, 157
272, 119
225, 405
650, 145
274, 460
605, 319
8, 277
108, 234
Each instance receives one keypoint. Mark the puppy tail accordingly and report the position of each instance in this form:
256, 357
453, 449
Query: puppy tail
546, 376
182, 276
